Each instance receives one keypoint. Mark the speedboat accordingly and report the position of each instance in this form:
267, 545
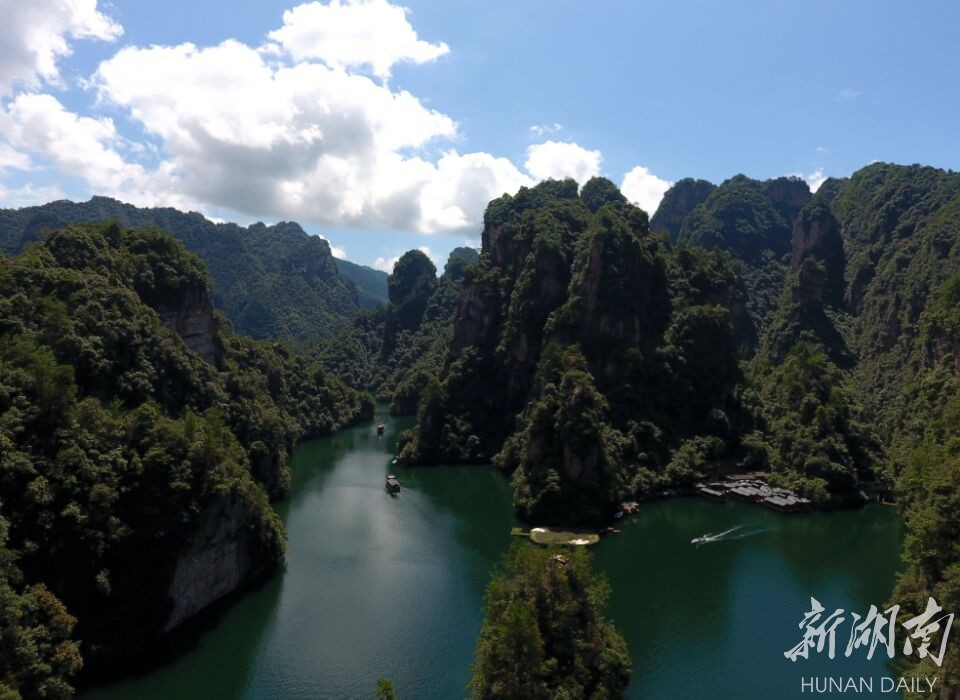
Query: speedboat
702, 539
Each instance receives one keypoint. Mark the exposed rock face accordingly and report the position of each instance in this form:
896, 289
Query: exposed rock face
938, 350
570, 349
804, 317
190, 315
477, 321
680, 200
217, 561
410, 286
541, 288
789, 195
817, 236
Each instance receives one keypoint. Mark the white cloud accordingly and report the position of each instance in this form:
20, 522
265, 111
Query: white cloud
12, 158
541, 129
821, 152
352, 34
28, 195
86, 148
37, 33
459, 188
815, 179
644, 189
559, 159
336, 251
270, 133
849, 95
385, 264
301, 141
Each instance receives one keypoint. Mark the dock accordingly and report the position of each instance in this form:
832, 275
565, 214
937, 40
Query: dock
750, 488
549, 536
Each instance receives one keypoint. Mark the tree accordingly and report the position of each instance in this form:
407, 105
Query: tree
385, 690
544, 635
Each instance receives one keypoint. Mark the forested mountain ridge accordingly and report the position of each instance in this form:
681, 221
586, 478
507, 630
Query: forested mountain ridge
135, 473
273, 282
394, 349
753, 221
587, 354
575, 307
371, 284
678, 201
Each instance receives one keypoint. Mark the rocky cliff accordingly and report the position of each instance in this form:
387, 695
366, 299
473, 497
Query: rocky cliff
677, 203
572, 346
218, 559
190, 315
753, 221
410, 287
156, 463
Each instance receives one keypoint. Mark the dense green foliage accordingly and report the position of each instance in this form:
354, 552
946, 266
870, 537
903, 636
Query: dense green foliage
115, 437
371, 284
385, 690
681, 199
37, 655
928, 445
753, 221
394, 350
813, 431
544, 634
874, 291
585, 352
274, 282
591, 355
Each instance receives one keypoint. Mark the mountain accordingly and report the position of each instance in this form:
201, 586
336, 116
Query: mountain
866, 338
140, 442
870, 254
753, 222
589, 358
273, 282
677, 203
594, 360
394, 349
371, 284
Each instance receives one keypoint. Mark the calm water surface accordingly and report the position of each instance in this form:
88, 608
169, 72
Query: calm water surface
377, 585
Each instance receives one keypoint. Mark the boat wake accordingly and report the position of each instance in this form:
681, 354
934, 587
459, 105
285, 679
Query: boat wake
735, 533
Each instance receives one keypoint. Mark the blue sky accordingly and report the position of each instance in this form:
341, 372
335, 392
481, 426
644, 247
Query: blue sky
384, 130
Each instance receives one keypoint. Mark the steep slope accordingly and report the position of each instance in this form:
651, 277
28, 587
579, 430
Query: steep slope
753, 222
677, 203
589, 359
273, 282
886, 247
371, 284
136, 463
882, 243
395, 349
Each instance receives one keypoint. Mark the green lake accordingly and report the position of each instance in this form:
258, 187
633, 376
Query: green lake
379, 585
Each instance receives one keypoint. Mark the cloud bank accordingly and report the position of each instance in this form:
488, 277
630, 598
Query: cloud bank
303, 126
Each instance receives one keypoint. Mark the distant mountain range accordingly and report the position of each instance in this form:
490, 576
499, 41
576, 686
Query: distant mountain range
276, 282
371, 284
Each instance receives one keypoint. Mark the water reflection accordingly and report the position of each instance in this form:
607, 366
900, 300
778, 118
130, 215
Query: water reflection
379, 586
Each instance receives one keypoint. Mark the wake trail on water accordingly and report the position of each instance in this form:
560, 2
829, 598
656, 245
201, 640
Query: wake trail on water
735, 533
